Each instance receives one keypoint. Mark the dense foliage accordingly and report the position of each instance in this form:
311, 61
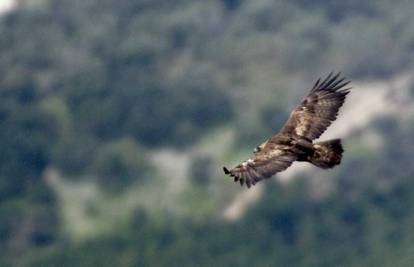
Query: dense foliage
97, 90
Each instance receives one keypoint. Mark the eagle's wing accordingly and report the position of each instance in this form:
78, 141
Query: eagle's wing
318, 110
262, 165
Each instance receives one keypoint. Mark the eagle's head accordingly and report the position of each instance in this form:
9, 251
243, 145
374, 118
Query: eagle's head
257, 149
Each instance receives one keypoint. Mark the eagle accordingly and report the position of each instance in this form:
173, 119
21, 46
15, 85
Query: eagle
296, 140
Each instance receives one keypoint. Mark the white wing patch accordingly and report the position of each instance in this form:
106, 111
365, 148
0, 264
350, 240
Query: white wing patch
302, 125
247, 162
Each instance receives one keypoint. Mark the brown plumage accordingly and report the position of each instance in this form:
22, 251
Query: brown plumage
295, 141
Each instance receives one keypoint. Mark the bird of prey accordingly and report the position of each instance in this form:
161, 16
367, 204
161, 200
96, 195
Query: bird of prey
295, 141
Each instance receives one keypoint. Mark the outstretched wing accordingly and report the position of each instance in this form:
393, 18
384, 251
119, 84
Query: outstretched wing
261, 166
318, 110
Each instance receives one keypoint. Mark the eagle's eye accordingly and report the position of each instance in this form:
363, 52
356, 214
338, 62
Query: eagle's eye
257, 149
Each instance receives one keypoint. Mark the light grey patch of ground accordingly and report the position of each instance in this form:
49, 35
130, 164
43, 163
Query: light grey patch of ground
173, 167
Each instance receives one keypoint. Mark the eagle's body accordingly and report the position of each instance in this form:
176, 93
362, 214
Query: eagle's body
295, 141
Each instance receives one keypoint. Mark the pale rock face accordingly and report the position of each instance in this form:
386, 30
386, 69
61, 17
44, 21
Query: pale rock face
7, 6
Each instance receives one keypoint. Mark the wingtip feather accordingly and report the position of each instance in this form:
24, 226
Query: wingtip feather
332, 82
226, 171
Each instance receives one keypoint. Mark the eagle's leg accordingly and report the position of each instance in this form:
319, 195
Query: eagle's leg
303, 149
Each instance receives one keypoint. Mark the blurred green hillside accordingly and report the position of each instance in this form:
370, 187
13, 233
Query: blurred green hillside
117, 116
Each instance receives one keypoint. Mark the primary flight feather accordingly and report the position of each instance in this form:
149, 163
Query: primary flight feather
295, 141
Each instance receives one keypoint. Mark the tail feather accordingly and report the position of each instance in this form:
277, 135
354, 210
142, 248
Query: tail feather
327, 154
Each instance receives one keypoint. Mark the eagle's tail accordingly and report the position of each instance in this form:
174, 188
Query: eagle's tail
327, 154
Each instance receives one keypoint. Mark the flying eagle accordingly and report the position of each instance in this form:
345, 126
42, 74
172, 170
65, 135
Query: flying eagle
295, 141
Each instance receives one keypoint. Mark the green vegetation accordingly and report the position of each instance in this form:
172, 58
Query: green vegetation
116, 117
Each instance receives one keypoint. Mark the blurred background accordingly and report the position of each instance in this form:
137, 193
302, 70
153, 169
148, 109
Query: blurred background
116, 117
